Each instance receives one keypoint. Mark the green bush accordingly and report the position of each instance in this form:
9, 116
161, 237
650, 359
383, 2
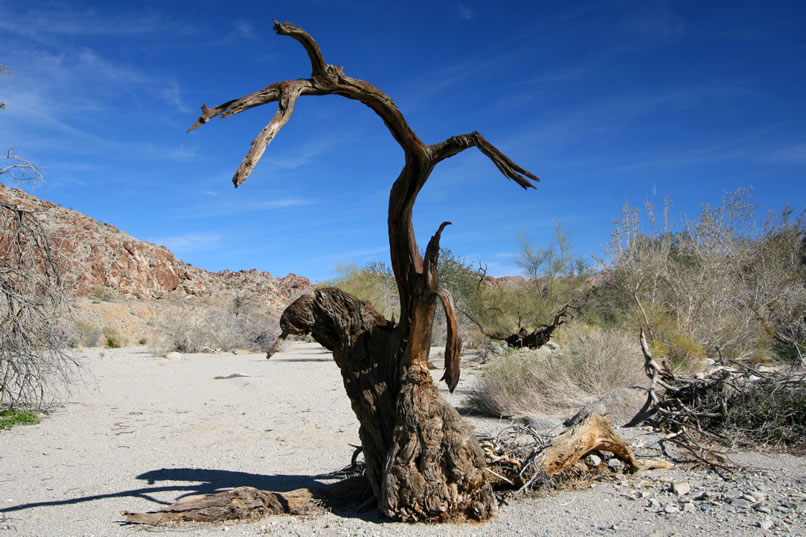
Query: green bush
711, 286
769, 413
10, 417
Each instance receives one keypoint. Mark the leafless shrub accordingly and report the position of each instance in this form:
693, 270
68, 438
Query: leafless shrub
592, 363
35, 364
719, 285
206, 328
19, 169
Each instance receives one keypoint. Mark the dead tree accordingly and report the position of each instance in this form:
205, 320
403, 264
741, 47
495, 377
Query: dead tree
524, 338
423, 462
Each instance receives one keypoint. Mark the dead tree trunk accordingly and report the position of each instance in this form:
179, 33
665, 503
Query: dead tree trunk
423, 462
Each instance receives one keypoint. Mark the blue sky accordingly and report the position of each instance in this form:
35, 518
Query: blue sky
604, 101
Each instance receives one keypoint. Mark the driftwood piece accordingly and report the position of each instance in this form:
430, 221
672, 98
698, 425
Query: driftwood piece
592, 434
423, 462
526, 466
242, 503
248, 504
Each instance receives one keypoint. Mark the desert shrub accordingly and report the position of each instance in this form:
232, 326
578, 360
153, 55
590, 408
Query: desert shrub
102, 293
85, 334
555, 277
592, 363
112, 338
555, 272
206, 328
715, 285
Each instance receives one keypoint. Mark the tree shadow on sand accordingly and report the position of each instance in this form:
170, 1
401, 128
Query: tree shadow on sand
199, 482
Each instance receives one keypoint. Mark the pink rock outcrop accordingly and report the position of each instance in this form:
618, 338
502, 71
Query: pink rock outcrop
99, 255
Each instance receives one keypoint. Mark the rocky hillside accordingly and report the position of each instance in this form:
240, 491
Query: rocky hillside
100, 256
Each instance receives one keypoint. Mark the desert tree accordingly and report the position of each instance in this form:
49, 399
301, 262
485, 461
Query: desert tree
35, 365
423, 462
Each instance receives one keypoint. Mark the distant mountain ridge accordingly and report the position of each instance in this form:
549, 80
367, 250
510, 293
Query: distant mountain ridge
99, 255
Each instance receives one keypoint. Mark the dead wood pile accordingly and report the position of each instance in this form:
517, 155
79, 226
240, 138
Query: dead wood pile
734, 404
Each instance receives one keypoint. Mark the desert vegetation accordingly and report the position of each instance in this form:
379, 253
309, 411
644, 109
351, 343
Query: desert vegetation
224, 324
723, 288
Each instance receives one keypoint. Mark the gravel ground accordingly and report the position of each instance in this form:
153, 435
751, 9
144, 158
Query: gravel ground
143, 431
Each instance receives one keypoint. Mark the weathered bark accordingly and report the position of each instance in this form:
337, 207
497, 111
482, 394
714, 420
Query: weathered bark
423, 462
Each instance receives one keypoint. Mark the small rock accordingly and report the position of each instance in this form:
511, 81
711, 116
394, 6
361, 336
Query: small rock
235, 351
740, 503
688, 507
705, 507
750, 498
701, 496
671, 508
174, 355
653, 504
234, 376
763, 509
594, 460
681, 488
765, 524
614, 463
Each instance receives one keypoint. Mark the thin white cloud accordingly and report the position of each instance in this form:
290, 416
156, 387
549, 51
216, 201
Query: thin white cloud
208, 208
183, 154
792, 153
656, 21
465, 12
58, 20
246, 30
172, 95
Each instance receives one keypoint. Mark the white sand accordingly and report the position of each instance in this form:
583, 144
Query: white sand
148, 430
